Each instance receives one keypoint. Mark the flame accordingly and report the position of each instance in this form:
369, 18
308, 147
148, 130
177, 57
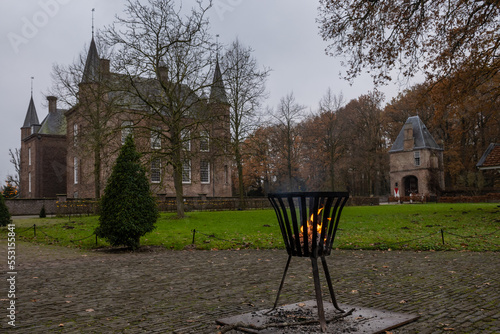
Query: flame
310, 226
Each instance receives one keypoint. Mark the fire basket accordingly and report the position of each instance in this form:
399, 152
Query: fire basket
308, 223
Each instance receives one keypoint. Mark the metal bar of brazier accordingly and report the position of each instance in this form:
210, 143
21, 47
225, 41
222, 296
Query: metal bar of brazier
308, 222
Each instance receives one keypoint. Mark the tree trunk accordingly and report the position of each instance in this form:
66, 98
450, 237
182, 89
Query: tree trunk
241, 186
97, 172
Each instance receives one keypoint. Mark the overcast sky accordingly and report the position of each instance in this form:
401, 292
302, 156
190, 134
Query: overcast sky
35, 34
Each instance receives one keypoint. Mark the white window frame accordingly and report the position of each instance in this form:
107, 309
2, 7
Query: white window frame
205, 172
29, 182
186, 172
75, 170
156, 138
204, 141
416, 156
156, 170
29, 156
126, 130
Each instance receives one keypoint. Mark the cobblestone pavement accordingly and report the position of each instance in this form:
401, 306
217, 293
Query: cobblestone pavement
160, 291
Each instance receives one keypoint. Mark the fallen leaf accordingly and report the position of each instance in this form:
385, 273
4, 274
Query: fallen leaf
61, 325
301, 304
402, 302
89, 310
448, 329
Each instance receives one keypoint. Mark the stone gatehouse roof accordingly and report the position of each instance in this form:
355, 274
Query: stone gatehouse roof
421, 135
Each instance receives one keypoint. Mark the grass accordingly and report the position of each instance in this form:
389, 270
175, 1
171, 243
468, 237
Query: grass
472, 227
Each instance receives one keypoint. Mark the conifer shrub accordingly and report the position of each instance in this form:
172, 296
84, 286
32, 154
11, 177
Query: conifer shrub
42, 212
5, 218
128, 208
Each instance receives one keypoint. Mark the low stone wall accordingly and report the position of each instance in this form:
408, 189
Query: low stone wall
18, 207
60, 207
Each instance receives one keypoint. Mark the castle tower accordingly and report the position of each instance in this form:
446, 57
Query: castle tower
219, 108
416, 161
43, 153
31, 122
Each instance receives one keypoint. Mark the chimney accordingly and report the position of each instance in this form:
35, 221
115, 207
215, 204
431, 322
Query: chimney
52, 103
162, 71
409, 142
104, 64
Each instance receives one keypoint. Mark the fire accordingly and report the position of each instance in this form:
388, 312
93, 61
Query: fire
310, 226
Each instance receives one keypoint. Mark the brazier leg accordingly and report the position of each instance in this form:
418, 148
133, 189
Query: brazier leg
319, 299
330, 285
281, 285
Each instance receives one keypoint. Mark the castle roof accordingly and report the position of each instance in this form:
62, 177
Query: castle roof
490, 158
421, 136
91, 71
31, 115
54, 123
218, 91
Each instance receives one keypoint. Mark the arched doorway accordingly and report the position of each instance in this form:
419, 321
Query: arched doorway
411, 185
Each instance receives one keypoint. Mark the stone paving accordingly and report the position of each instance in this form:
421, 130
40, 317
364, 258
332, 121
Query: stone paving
160, 291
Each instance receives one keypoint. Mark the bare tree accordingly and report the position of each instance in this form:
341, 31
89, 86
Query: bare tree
245, 83
323, 143
287, 116
86, 88
15, 159
165, 56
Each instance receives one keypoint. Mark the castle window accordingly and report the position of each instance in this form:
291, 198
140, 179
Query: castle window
226, 174
156, 138
417, 158
205, 171
29, 182
204, 141
186, 171
29, 156
186, 140
126, 130
75, 134
75, 170
156, 170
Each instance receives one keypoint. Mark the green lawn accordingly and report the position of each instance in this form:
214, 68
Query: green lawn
473, 227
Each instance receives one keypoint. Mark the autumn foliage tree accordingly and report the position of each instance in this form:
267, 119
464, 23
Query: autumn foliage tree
9, 191
445, 39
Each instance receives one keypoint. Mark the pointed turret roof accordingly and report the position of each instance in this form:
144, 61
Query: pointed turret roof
91, 71
31, 115
421, 135
218, 91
